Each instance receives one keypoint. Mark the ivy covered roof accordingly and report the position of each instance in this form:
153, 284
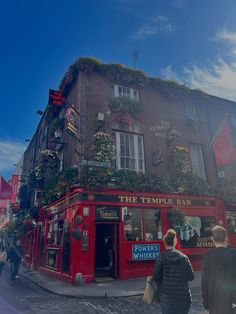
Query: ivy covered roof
118, 73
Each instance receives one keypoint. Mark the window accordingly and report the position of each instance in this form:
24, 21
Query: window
55, 229
195, 151
122, 91
133, 225
52, 258
61, 157
231, 222
129, 151
196, 231
190, 112
142, 224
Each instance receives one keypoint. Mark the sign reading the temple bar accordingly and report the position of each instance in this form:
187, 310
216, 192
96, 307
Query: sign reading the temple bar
143, 252
56, 98
107, 213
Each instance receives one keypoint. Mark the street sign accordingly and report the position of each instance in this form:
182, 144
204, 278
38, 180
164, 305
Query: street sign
94, 163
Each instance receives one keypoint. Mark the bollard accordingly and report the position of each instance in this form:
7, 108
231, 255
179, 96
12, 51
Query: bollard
79, 279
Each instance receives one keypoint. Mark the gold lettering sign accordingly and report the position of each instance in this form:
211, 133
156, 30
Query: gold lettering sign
154, 200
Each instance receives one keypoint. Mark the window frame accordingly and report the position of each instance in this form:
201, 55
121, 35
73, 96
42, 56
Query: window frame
201, 170
143, 225
133, 93
136, 150
191, 112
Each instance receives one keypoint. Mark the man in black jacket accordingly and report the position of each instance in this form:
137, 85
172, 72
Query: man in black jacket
172, 272
219, 275
15, 257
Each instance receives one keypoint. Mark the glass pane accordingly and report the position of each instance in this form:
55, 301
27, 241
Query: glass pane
196, 231
231, 222
122, 150
60, 232
122, 163
127, 164
140, 147
140, 164
52, 258
152, 224
127, 153
113, 91
49, 235
133, 225
122, 139
132, 164
132, 146
66, 248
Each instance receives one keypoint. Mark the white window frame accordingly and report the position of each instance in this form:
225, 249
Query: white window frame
199, 167
137, 158
190, 111
131, 92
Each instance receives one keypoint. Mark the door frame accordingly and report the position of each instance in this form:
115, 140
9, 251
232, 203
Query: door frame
115, 246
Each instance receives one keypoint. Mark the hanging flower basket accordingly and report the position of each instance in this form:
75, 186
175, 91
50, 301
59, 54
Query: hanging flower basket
175, 217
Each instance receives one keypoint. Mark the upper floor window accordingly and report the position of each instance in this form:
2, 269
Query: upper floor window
129, 151
122, 91
198, 168
191, 112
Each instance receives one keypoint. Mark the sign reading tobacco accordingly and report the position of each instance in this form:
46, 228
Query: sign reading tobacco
56, 98
107, 213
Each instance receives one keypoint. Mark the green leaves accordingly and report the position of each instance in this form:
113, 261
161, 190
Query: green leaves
175, 217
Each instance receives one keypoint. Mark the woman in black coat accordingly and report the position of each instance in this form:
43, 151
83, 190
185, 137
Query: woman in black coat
172, 272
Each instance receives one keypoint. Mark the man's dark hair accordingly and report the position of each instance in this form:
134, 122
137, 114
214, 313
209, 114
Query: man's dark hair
219, 234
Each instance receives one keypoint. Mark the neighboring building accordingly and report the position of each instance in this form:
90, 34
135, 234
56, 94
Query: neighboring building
5, 197
159, 128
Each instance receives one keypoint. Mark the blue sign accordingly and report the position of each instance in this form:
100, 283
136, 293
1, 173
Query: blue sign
143, 252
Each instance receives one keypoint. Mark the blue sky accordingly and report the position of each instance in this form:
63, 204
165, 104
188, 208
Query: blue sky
191, 41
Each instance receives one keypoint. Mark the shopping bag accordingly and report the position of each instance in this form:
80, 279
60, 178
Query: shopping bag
150, 292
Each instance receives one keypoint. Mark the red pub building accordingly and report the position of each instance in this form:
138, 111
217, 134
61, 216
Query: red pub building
117, 234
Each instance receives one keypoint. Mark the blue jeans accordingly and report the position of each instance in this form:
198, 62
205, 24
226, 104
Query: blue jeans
14, 270
178, 308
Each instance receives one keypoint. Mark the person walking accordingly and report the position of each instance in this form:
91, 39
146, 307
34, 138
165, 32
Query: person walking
15, 257
218, 275
172, 272
3, 257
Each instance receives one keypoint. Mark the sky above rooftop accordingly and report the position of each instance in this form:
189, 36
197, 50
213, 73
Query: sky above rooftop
192, 42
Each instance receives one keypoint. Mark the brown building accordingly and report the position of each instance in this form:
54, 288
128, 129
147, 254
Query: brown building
146, 118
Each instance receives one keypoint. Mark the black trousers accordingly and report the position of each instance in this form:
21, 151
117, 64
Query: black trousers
14, 270
1, 267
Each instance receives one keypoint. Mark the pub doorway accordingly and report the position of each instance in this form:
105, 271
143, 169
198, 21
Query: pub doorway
106, 251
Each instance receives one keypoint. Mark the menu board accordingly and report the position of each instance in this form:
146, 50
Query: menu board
197, 232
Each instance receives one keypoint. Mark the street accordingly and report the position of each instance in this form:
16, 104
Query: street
25, 297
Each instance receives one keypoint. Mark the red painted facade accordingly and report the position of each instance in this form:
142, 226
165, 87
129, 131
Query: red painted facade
118, 234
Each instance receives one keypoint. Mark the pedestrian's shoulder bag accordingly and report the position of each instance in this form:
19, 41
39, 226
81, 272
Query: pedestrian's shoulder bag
150, 293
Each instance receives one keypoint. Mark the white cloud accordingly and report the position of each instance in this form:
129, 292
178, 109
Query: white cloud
169, 74
179, 4
158, 24
10, 153
218, 78
226, 35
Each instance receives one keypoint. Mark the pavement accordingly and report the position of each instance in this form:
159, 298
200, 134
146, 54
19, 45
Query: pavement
109, 289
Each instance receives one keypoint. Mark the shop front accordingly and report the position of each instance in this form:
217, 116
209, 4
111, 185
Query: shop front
118, 235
